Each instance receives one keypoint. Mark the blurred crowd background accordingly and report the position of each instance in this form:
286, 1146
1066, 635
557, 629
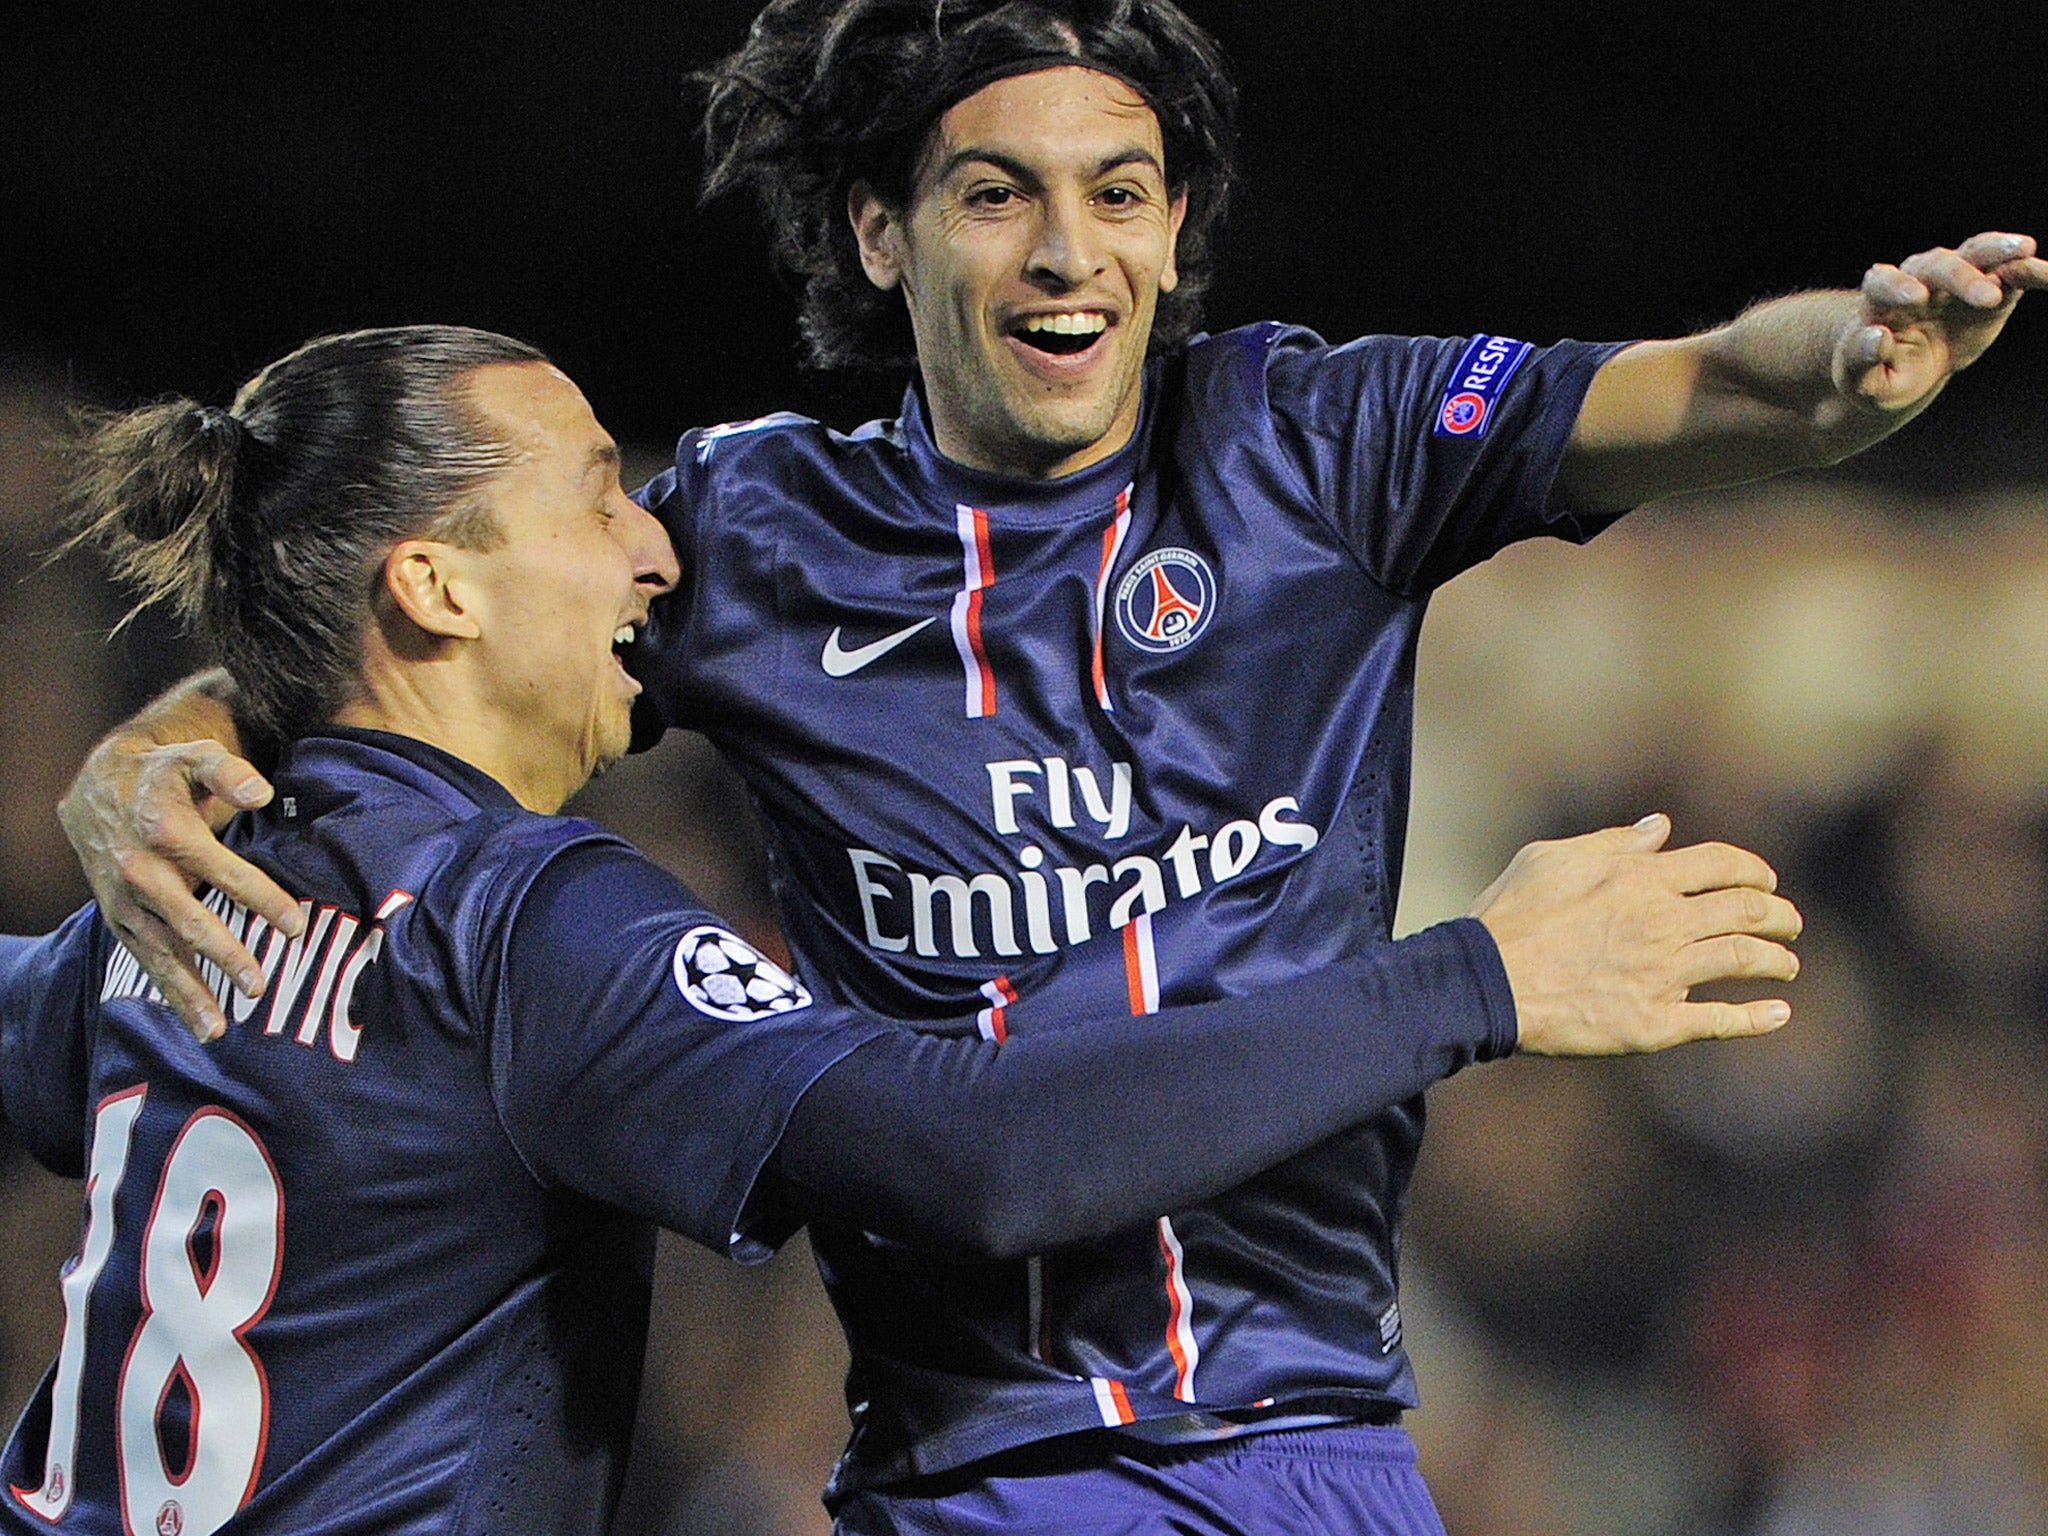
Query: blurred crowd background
1787, 1287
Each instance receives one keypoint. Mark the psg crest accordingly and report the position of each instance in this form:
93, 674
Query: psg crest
724, 976
1167, 600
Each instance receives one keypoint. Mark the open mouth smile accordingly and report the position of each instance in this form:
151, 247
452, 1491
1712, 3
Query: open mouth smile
1066, 334
622, 640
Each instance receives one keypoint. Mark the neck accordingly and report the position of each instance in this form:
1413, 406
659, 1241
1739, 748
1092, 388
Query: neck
407, 704
956, 437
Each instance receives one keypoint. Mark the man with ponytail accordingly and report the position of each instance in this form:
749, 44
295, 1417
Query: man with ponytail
377, 1258
1148, 602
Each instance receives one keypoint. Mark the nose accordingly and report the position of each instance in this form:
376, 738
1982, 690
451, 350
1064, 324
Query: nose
647, 545
1067, 251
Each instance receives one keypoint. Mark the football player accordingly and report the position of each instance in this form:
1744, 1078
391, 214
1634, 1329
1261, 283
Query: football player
378, 1258
1148, 602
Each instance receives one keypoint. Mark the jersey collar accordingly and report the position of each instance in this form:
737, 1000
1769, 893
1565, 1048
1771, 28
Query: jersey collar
461, 787
1018, 499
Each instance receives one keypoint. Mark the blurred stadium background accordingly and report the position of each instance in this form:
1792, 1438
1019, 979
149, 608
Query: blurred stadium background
1795, 1287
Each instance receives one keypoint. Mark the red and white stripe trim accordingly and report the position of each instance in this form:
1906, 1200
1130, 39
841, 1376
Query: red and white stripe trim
990, 1020
980, 574
1112, 545
1112, 1402
1141, 974
1141, 964
1180, 1325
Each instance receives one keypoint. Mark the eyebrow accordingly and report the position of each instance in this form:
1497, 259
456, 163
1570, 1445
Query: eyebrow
1010, 166
604, 456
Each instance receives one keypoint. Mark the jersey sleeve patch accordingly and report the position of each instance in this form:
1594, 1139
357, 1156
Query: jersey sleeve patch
1482, 373
721, 975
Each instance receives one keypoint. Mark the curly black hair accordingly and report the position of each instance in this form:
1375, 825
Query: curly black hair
827, 93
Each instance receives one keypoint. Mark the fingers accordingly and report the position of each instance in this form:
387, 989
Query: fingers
1887, 287
164, 892
170, 966
166, 846
212, 863
1715, 866
1950, 273
1994, 248
219, 772
134, 815
1735, 957
1650, 834
2029, 273
1975, 272
1740, 909
1731, 1021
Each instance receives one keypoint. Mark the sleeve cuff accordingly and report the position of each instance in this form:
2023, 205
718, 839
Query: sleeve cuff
1496, 997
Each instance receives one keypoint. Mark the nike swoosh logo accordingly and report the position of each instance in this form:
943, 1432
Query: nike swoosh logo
843, 663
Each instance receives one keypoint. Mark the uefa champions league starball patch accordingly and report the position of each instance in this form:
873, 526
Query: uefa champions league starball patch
723, 975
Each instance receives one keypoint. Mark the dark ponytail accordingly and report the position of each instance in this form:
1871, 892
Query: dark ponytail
151, 487
264, 527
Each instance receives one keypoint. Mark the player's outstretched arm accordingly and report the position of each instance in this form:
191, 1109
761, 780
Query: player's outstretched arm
142, 816
1061, 1136
618, 1079
1603, 935
1794, 382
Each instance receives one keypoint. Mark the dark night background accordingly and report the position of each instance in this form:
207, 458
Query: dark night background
190, 190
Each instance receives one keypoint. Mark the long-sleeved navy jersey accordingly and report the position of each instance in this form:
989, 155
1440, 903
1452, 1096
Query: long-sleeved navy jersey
377, 1261
370, 1262
1136, 736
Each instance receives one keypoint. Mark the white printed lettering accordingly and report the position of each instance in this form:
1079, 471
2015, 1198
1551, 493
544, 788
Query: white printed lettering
343, 1033
1149, 888
1116, 816
1287, 834
1234, 847
291, 972
1074, 885
872, 890
982, 909
337, 948
1182, 857
1037, 903
1004, 789
924, 893
1059, 794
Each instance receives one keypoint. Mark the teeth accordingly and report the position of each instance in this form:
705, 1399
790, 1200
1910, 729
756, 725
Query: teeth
1068, 325
623, 635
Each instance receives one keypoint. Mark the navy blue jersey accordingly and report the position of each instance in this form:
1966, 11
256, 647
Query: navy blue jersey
1141, 736
379, 1259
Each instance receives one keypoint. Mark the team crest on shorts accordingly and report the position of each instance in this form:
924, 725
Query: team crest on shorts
1167, 600
723, 975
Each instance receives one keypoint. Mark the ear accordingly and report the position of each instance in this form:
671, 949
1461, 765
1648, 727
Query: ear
425, 580
1169, 275
877, 230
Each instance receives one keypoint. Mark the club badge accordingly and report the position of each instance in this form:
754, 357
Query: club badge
1166, 601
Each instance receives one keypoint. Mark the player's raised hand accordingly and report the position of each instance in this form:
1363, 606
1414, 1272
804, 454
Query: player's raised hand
142, 820
1603, 936
1931, 316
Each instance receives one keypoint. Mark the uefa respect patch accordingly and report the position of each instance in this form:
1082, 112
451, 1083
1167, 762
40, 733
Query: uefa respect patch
723, 975
1482, 373
1167, 600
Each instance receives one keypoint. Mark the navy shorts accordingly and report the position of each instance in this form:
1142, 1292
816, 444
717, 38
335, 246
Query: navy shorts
1348, 1480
